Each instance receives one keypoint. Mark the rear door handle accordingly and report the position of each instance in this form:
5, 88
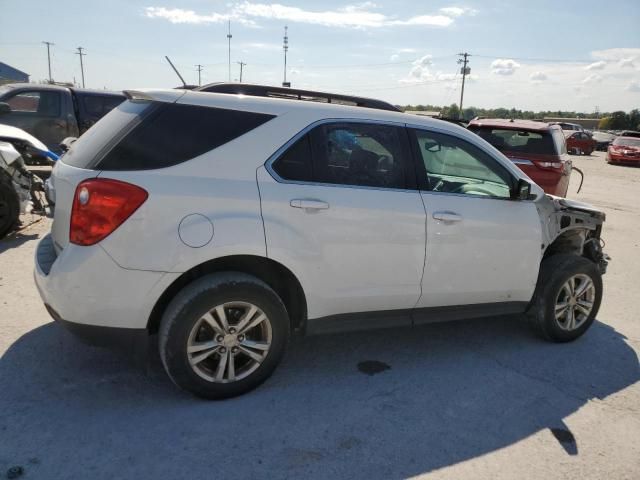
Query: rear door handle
447, 217
308, 204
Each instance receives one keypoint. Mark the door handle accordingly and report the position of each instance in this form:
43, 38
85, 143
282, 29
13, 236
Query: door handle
447, 217
308, 204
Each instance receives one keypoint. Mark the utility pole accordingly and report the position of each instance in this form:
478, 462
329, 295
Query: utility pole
242, 64
49, 44
199, 70
80, 54
285, 47
229, 38
464, 60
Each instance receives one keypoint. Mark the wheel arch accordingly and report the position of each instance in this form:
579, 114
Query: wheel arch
273, 273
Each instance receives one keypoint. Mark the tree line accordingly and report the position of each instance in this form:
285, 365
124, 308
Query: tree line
618, 120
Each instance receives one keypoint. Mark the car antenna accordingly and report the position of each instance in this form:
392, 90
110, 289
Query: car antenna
177, 72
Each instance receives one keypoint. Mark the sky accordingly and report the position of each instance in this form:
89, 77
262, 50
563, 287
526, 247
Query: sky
543, 55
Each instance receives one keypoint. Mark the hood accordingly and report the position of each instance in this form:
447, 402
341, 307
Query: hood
9, 134
567, 204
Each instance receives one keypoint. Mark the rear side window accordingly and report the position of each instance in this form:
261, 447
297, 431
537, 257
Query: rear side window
295, 163
560, 141
519, 141
174, 133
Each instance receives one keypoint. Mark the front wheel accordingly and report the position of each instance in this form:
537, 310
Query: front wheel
567, 297
223, 335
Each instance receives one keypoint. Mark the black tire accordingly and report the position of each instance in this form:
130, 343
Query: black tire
9, 208
200, 297
555, 271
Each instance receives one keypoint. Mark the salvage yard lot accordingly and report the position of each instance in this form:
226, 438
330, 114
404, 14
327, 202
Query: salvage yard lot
476, 399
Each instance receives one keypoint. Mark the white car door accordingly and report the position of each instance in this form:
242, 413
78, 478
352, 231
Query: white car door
483, 248
341, 209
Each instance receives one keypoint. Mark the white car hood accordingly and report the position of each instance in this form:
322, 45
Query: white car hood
7, 131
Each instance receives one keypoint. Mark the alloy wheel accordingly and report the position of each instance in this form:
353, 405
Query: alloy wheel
229, 342
574, 302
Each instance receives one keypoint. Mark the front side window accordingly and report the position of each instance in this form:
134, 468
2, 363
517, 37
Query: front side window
360, 155
43, 103
453, 165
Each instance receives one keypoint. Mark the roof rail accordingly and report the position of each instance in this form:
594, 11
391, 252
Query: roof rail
295, 94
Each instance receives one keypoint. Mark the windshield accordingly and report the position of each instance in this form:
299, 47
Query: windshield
627, 142
519, 141
4, 90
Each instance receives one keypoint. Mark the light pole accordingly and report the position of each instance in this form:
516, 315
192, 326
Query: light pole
229, 38
285, 47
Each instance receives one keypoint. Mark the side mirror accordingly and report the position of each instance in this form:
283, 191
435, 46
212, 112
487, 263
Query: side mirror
4, 108
522, 191
431, 146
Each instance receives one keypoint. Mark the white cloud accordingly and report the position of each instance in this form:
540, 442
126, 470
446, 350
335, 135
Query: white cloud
177, 15
596, 65
457, 11
627, 62
350, 16
593, 78
615, 54
504, 66
634, 86
538, 76
394, 57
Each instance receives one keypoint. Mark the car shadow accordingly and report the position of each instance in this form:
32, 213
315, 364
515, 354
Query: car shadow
14, 240
377, 404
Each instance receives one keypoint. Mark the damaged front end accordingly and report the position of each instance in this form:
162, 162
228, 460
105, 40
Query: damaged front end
569, 226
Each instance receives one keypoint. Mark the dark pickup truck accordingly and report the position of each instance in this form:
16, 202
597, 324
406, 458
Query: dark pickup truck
52, 113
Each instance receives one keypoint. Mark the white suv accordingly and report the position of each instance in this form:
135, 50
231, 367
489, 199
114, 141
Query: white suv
223, 223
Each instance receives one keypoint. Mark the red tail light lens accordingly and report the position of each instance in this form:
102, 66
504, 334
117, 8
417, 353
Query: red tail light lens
101, 205
548, 165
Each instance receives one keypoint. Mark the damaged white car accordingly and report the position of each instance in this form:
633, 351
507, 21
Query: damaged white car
216, 225
20, 190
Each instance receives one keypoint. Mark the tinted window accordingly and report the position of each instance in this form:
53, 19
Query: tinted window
97, 106
455, 166
41, 102
360, 155
519, 141
295, 163
90, 147
559, 141
174, 133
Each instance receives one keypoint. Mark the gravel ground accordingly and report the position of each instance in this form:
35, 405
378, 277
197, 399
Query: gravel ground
481, 399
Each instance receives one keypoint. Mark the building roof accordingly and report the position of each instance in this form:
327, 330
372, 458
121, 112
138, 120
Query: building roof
8, 69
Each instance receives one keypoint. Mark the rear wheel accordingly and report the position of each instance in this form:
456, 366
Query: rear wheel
9, 208
567, 297
223, 335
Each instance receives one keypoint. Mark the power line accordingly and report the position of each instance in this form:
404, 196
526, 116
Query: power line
242, 64
49, 44
464, 60
80, 54
199, 70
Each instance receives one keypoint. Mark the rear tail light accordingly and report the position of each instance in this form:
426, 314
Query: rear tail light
100, 206
549, 165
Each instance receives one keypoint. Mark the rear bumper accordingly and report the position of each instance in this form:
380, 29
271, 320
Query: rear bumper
126, 339
83, 286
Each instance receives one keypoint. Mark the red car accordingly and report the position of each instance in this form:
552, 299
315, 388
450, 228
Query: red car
624, 150
580, 143
539, 149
